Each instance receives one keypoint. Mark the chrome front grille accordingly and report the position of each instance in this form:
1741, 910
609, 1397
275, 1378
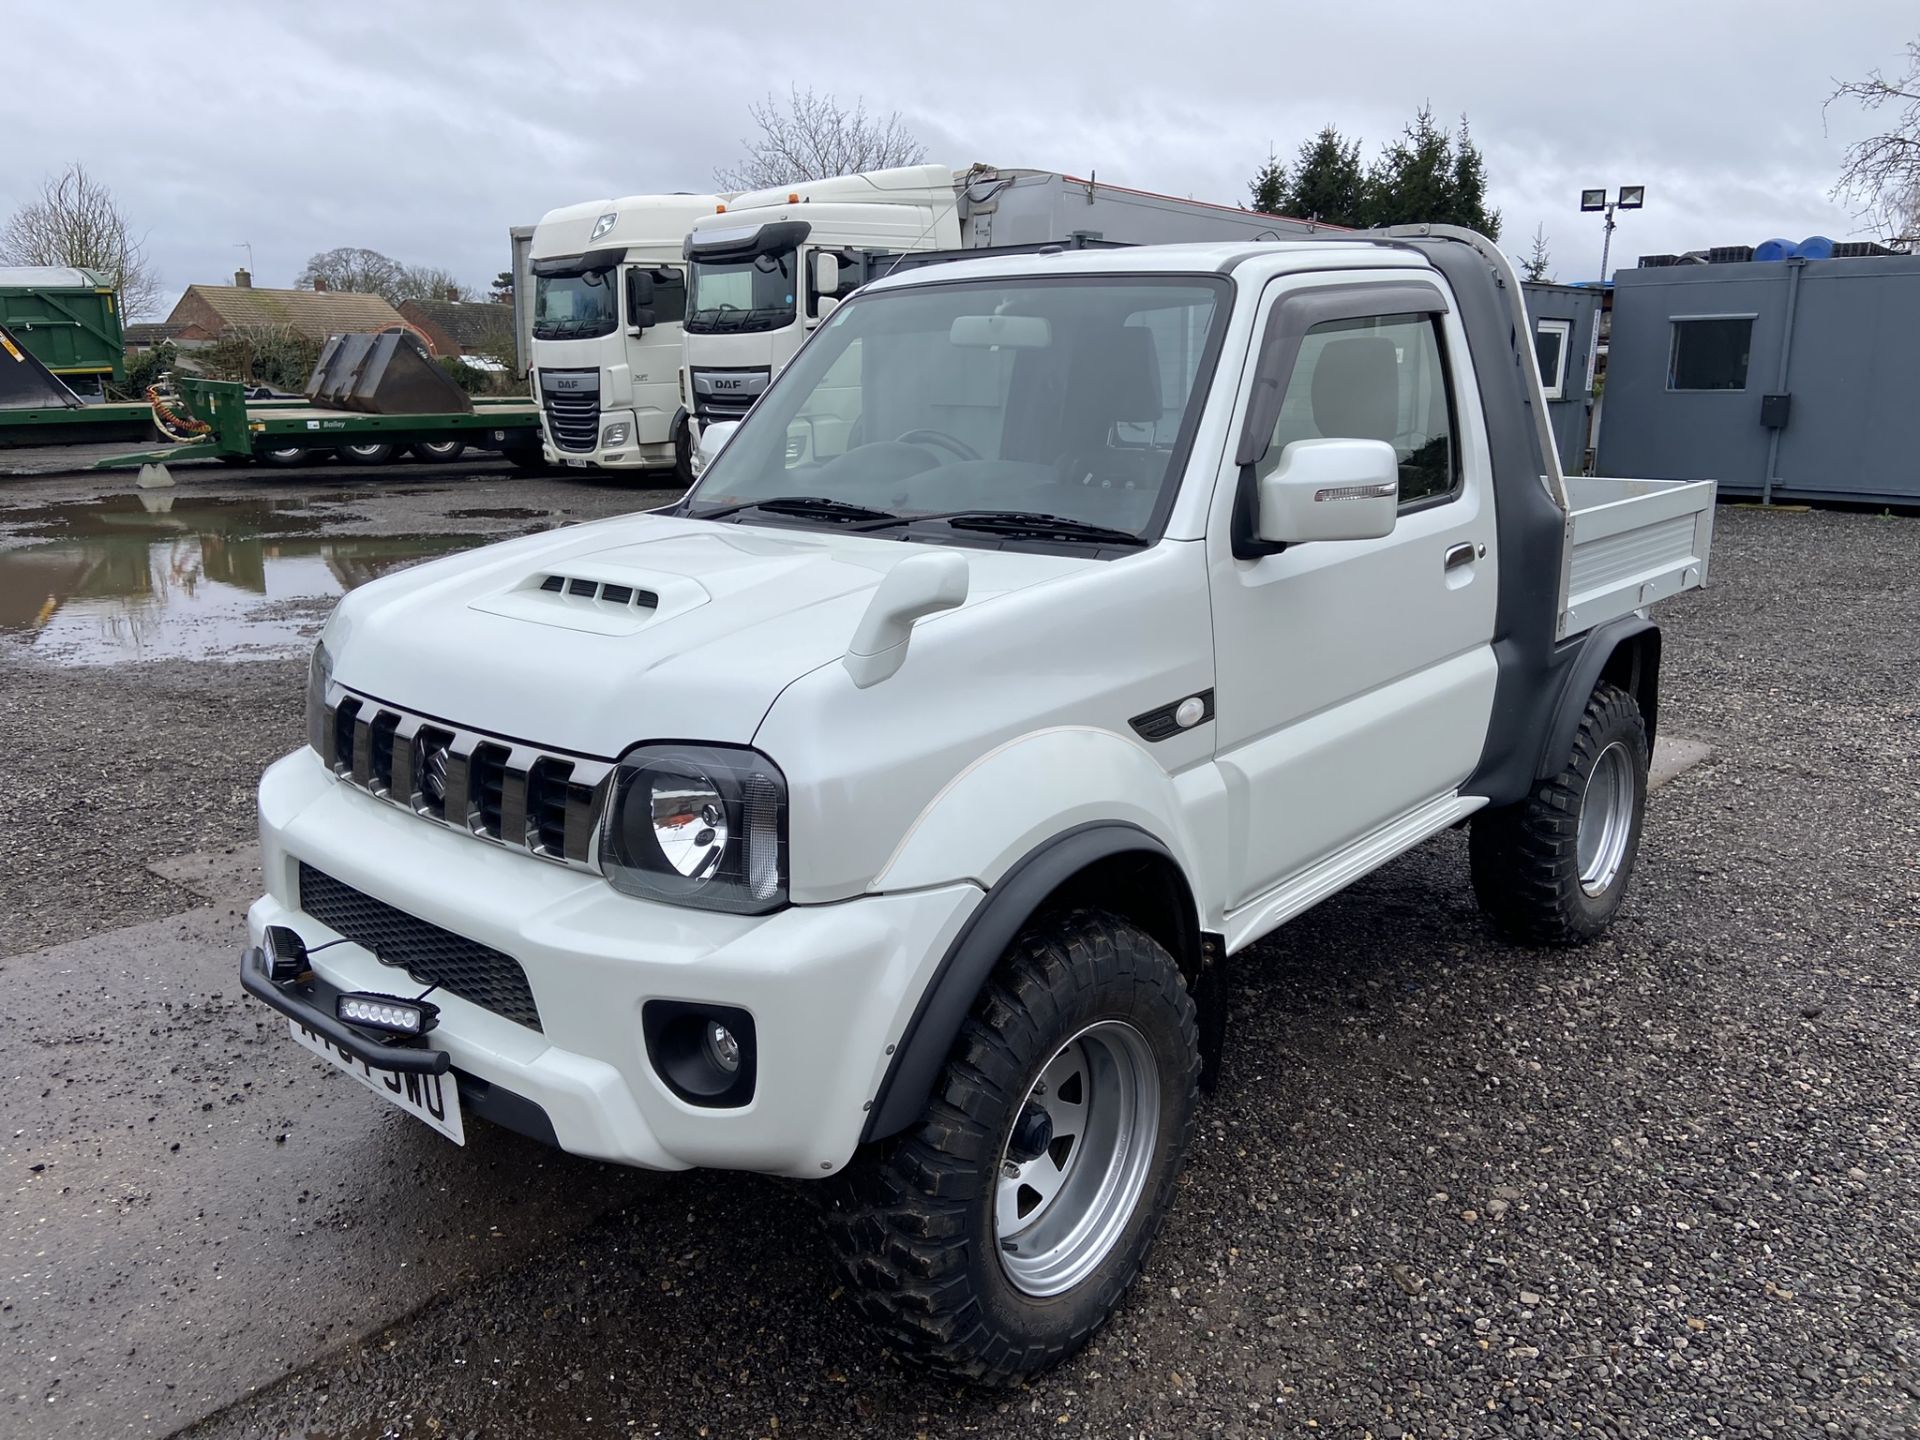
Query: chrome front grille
518, 796
572, 402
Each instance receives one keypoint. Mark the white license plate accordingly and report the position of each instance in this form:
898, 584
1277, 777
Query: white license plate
433, 1099
581, 464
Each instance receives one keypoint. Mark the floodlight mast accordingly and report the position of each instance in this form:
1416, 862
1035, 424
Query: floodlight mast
1631, 197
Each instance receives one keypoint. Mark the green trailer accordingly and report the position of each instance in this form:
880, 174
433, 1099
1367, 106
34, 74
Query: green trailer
285, 430
69, 319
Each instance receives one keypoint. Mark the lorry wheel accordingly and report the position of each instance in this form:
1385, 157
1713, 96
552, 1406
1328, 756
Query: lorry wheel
366, 454
1553, 869
437, 452
992, 1238
286, 455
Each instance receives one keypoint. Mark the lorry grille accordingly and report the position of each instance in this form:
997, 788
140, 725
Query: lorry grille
489, 978
571, 399
515, 795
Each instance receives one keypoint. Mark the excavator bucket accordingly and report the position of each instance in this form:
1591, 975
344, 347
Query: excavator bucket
385, 374
26, 384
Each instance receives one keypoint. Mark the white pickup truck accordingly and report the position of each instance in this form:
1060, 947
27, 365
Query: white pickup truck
1053, 628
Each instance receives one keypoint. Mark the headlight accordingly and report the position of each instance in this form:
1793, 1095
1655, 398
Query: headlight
614, 435
701, 825
319, 676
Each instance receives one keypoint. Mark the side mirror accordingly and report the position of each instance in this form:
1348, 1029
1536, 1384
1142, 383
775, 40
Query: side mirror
1330, 490
826, 273
713, 438
824, 306
639, 301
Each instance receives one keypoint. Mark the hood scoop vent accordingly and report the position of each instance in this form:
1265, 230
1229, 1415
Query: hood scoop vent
605, 592
597, 598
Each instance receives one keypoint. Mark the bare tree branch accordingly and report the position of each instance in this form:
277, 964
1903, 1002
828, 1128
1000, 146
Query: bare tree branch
810, 136
76, 222
1882, 173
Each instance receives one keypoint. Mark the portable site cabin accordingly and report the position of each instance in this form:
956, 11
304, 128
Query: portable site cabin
1782, 375
1566, 339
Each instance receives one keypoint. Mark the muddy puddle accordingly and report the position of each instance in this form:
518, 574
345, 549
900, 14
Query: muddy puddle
152, 575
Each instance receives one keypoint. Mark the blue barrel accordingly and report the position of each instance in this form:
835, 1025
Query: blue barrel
1773, 250
1814, 247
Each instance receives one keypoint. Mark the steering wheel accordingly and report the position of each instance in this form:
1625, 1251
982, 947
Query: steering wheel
941, 439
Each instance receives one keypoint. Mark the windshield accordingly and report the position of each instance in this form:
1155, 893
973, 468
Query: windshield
732, 295
1073, 398
574, 307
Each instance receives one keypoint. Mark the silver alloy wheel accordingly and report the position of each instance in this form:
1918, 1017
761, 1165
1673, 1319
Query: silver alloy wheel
1606, 818
1091, 1122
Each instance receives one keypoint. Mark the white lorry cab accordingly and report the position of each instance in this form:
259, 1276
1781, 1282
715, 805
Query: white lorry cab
890, 810
773, 263
609, 295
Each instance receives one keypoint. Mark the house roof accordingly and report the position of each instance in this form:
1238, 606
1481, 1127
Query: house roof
150, 332
314, 313
468, 323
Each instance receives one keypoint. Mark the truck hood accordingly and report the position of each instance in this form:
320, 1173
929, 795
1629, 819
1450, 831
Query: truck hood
539, 640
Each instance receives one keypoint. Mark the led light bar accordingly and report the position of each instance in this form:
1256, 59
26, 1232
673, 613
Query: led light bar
388, 1013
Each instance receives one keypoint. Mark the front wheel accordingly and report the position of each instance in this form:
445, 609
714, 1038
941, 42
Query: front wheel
994, 1237
1553, 869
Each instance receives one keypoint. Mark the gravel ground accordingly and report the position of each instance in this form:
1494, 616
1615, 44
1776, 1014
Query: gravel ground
110, 768
1662, 1186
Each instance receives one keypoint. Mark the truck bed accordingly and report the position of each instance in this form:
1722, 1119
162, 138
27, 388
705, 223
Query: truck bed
1630, 543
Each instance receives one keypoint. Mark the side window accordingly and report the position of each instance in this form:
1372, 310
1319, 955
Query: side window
669, 296
1710, 352
1378, 378
1550, 349
850, 281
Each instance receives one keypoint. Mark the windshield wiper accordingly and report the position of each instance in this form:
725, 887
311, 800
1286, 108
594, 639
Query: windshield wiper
808, 505
1029, 524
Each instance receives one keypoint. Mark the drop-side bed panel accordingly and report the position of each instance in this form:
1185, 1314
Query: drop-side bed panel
1630, 543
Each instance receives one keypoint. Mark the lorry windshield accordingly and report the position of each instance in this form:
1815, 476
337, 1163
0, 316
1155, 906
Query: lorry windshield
1071, 398
574, 307
734, 295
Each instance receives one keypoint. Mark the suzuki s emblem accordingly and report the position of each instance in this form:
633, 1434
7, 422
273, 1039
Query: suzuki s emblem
433, 775
603, 225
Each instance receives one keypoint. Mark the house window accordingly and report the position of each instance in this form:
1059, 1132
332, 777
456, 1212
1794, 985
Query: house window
1710, 352
1550, 341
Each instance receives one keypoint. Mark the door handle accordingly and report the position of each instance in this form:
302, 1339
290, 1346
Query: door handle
1461, 554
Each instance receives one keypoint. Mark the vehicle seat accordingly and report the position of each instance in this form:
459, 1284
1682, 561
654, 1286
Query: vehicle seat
1356, 389
1115, 381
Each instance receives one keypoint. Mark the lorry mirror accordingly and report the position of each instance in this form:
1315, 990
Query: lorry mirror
713, 437
1330, 490
826, 273
824, 306
639, 300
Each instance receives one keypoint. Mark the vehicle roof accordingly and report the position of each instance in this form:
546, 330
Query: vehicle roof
1221, 256
643, 220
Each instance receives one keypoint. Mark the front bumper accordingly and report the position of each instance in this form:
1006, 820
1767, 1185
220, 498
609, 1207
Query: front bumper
634, 454
831, 987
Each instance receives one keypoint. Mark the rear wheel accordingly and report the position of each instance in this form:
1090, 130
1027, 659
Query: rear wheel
438, 452
1553, 869
994, 1237
366, 454
285, 455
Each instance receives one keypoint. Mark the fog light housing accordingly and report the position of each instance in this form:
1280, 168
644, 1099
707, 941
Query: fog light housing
705, 1054
286, 955
614, 435
389, 1014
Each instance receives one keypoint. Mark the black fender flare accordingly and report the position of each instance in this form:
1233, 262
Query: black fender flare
677, 430
1577, 683
924, 1045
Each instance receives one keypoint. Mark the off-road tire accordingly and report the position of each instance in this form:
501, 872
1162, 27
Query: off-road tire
912, 1220
1526, 859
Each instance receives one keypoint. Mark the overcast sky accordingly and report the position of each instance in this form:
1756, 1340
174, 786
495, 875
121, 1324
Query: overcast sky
425, 128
